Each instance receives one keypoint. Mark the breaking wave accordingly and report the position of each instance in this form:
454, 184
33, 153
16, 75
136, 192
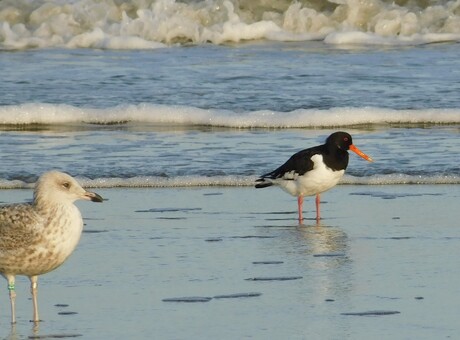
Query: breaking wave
151, 24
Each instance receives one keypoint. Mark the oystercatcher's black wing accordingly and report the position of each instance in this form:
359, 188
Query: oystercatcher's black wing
297, 165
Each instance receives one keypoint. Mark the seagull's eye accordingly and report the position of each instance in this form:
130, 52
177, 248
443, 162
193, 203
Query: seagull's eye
66, 185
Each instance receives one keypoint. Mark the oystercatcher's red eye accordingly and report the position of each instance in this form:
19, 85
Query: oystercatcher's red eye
345, 139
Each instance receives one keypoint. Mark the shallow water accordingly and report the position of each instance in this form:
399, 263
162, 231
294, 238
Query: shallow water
169, 156
379, 250
222, 115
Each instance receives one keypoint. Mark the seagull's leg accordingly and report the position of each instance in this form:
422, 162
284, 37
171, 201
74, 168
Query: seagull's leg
11, 281
317, 207
300, 204
33, 291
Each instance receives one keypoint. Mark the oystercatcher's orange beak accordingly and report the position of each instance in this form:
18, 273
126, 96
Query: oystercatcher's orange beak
360, 153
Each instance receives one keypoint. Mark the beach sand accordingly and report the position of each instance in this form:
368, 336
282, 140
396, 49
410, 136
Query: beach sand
383, 264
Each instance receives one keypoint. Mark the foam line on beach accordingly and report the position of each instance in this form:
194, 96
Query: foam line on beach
232, 181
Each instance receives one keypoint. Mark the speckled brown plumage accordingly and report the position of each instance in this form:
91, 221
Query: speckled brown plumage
37, 237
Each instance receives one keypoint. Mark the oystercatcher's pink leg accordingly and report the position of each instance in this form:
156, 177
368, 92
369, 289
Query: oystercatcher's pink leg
300, 204
317, 207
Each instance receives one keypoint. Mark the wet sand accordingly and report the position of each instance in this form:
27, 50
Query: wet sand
232, 263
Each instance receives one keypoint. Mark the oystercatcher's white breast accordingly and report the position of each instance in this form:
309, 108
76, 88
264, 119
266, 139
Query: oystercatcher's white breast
319, 179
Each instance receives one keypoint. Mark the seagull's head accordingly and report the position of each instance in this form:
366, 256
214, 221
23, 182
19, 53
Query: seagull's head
59, 187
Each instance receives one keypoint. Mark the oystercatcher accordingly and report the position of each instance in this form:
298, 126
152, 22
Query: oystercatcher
312, 171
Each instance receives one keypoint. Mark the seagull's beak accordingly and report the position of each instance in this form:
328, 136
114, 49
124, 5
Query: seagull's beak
92, 196
360, 153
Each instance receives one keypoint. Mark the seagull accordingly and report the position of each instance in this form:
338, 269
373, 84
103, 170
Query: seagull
37, 237
314, 170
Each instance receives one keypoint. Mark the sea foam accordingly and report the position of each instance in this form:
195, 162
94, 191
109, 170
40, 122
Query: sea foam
58, 114
151, 24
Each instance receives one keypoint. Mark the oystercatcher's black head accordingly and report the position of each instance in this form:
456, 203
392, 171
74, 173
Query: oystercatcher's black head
343, 141
340, 139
